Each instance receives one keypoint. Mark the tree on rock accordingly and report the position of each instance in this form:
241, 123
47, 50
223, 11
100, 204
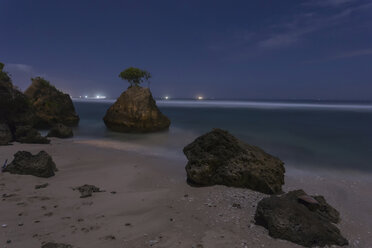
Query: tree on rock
135, 76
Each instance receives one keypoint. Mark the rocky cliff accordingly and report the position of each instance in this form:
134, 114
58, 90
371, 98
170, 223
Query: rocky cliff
51, 105
135, 111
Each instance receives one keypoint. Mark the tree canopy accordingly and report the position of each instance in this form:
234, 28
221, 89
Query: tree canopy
135, 76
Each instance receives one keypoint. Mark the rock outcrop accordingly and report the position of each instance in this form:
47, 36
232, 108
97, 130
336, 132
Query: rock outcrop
29, 135
300, 218
5, 134
135, 111
15, 107
219, 158
51, 105
60, 131
24, 163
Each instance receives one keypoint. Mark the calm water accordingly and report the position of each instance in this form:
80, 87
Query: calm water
326, 135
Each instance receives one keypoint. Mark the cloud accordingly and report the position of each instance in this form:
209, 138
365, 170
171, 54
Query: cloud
334, 3
19, 68
286, 34
351, 54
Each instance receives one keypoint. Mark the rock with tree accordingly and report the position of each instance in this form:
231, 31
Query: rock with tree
39, 165
135, 110
217, 157
300, 218
51, 105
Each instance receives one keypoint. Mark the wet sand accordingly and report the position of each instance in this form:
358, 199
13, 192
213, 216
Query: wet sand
147, 202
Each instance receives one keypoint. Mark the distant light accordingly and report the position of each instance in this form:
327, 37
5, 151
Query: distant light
200, 98
85, 96
166, 97
100, 97
80, 96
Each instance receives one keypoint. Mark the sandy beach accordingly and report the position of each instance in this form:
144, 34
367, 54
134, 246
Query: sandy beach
147, 203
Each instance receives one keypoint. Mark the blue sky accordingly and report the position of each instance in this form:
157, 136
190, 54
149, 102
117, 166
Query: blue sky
224, 49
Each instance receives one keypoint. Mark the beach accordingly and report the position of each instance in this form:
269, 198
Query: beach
147, 203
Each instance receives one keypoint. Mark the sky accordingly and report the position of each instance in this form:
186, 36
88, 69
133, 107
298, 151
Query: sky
257, 49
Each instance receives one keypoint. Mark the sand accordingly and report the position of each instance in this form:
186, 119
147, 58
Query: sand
147, 202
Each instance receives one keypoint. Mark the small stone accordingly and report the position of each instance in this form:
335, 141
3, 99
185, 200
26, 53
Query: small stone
41, 186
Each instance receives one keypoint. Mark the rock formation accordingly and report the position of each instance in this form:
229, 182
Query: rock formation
300, 218
29, 135
135, 111
15, 107
51, 105
24, 163
60, 131
5, 134
219, 158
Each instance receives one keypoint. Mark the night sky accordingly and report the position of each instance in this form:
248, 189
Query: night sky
258, 49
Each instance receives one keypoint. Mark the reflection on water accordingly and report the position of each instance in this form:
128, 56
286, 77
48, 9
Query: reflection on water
335, 135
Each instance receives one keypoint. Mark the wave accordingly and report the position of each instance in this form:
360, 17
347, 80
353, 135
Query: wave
248, 104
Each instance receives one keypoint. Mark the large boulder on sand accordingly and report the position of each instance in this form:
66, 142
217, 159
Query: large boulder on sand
60, 131
300, 218
219, 158
51, 105
135, 111
24, 163
29, 135
5, 134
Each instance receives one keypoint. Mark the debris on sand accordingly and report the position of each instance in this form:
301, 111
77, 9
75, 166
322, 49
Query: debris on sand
86, 190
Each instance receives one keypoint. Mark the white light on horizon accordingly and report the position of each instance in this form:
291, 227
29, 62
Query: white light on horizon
166, 97
85, 96
200, 98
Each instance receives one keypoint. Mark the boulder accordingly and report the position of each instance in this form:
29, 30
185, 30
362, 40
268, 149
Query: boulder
60, 131
5, 134
219, 158
135, 111
51, 105
291, 218
29, 135
24, 163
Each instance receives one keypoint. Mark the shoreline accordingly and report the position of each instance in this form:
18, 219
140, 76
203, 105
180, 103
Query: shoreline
153, 205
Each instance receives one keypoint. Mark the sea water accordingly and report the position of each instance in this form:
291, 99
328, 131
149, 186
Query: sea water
307, 134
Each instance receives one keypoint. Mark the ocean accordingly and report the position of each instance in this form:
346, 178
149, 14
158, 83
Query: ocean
304, 134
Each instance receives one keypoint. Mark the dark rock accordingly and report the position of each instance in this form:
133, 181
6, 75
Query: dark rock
24, 163
86, 190
29, 135
286, 217
60, 131
15, 107
5, 134
51, 105
327, 211
56, 245
135, 111
219, 158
